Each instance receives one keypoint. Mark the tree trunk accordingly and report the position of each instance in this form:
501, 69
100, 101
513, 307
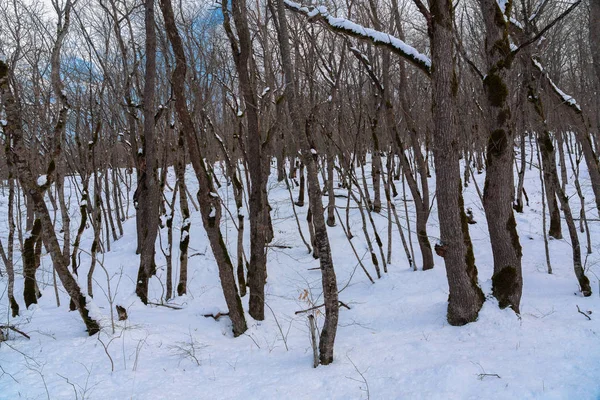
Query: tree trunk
184, 240
242, 53
594, 42
466, 298
10, 270
148, 191
17, 158
507, 280
329, 281
210, 207
29, 264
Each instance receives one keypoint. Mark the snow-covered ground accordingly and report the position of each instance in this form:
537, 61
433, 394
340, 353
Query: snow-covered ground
393, 342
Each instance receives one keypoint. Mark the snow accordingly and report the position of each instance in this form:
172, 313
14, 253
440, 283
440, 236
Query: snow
265, 91
42, 180
516, 23
3, 122
502, 5
537, 9
376, 36
566, 98
395, 333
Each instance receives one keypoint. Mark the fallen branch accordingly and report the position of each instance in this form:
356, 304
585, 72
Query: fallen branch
279, 246
482, 376
216, 316
15, 329
166, 305
585, 314
321, 305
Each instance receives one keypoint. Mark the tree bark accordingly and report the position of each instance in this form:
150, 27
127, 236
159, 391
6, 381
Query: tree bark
242, 53
465, 298
17, 157
148, 191
184, 240
329, 281
507, 280
210, 207
594, 42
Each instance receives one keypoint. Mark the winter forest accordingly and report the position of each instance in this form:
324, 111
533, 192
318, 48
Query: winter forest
333, 199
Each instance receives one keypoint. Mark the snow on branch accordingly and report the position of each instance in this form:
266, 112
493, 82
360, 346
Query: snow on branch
567, 99
349, 28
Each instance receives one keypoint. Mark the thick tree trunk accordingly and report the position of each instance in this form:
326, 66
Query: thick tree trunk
507, 281
466, 298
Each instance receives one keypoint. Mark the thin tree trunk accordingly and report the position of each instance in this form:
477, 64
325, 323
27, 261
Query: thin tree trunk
546, 248
329, 281
210, 207
184, 240
148, 190
29, 264
17, 157
242, 53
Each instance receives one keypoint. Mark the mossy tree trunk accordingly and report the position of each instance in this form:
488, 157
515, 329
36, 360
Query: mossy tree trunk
507, 280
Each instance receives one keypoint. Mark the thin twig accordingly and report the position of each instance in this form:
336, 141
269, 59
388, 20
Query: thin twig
582, 313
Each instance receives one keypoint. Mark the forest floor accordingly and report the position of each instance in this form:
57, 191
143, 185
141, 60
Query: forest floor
393, 342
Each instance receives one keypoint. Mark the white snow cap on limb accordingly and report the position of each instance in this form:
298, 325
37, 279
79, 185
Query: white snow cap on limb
42, 180
570, 100
353, 29
502, 5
